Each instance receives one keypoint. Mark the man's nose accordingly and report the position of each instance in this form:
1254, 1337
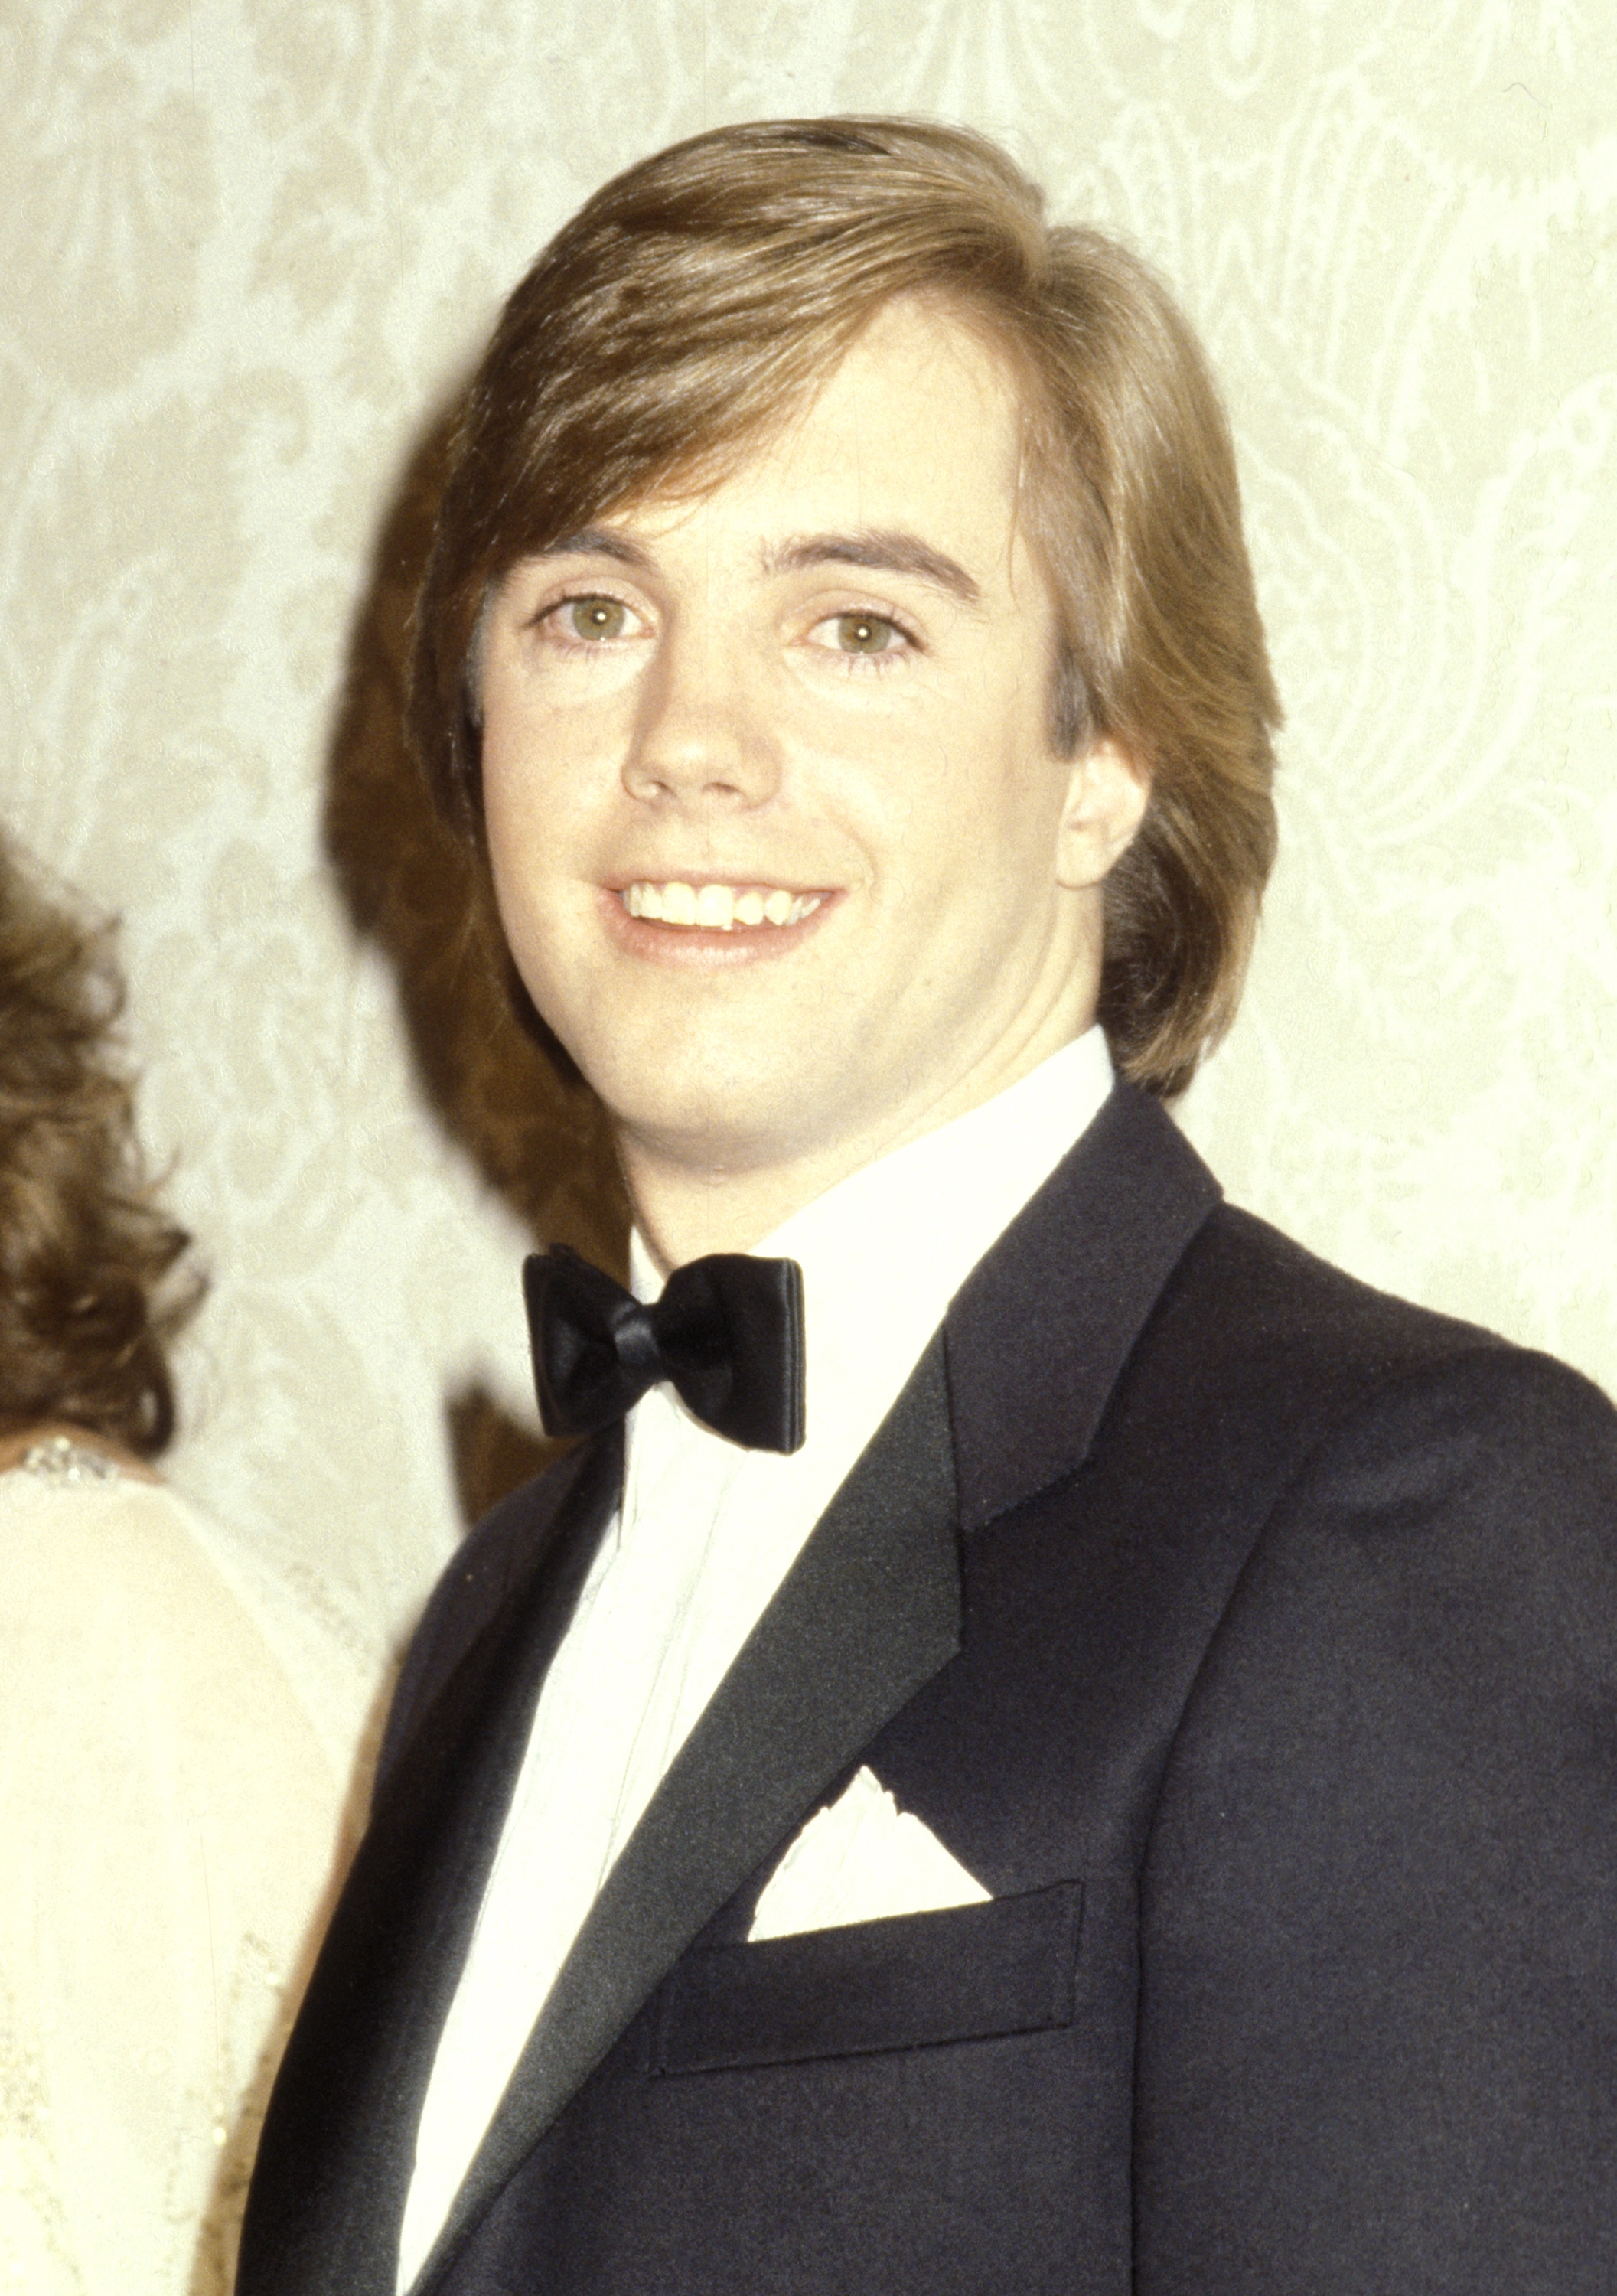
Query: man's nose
703, 733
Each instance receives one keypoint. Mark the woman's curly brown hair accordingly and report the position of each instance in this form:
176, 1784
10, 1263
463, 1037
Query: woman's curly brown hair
89, 1295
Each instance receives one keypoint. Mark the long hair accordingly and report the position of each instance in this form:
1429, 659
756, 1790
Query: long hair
694, 303
90, 1289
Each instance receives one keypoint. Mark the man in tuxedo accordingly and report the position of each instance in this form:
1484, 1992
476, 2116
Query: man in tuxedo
1044, 1740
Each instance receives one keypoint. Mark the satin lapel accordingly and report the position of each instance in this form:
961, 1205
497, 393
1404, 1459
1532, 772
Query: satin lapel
868, 1614
328, 2189
1037, 1336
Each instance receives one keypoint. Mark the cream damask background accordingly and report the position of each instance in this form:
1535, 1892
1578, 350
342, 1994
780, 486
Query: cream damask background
249, 247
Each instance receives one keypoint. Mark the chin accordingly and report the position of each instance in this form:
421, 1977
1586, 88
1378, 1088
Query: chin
709, 1127
671, 1075
700, 1132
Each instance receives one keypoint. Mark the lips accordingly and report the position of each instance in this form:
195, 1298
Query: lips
717, 908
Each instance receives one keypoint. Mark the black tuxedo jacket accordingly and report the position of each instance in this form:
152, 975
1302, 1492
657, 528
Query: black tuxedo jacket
1252, 1636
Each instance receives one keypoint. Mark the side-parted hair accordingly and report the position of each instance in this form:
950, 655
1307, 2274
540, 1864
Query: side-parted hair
694, 303
88, 1296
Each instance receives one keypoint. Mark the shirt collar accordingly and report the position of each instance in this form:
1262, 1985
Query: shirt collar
885, 1250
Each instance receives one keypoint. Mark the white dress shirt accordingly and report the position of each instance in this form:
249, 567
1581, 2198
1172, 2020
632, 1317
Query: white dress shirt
706, 1533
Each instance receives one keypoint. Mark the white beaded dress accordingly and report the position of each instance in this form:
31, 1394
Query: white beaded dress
177, 1738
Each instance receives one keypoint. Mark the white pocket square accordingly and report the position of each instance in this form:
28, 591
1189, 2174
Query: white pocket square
861, 1860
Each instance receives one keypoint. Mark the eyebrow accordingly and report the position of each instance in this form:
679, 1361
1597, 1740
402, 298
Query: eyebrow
876, 552
873, 550
595, 542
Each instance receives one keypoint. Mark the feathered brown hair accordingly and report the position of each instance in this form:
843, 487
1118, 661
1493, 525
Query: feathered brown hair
91, 1292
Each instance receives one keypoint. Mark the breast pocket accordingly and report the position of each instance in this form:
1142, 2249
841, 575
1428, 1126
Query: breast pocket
965, 1973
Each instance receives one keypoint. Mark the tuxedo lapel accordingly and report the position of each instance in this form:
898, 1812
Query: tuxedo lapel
1037, 1336
868, 1614
339, 2141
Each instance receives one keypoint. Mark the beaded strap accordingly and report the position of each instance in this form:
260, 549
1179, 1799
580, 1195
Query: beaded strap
59, 1459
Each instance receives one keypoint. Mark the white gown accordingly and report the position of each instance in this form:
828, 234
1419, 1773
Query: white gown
176, 1743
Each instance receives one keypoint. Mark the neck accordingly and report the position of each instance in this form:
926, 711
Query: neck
684, 1211
685, 1205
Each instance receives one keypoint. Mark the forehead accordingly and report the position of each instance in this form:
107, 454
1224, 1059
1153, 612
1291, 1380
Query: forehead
914, 429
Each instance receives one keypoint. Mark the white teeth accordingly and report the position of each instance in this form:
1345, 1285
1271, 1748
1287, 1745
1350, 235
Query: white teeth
715, 906
718, 908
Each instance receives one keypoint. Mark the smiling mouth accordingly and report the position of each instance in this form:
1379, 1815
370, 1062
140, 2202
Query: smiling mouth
717, 908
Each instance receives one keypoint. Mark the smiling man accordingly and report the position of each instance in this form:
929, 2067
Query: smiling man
1044, 1740
782, 841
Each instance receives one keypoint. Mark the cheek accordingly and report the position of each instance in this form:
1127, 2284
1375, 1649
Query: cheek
529, 838
516, 849
509, 752
541, 778
992, 812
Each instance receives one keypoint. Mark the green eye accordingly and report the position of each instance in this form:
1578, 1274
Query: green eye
597, 619
865, 634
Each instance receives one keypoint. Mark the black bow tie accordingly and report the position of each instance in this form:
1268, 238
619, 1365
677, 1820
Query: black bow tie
727, 1333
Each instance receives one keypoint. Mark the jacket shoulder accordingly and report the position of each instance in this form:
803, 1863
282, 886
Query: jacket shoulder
1255, 1322
1265, 1375
1302, 1327
1275, 1290
1382, 1841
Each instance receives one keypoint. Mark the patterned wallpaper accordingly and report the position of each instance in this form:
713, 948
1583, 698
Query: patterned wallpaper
248, 247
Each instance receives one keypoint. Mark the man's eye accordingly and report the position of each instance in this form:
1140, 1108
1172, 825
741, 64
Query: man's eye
865, 634
595, 620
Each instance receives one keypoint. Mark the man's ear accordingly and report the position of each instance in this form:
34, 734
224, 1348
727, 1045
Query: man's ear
1106, 800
